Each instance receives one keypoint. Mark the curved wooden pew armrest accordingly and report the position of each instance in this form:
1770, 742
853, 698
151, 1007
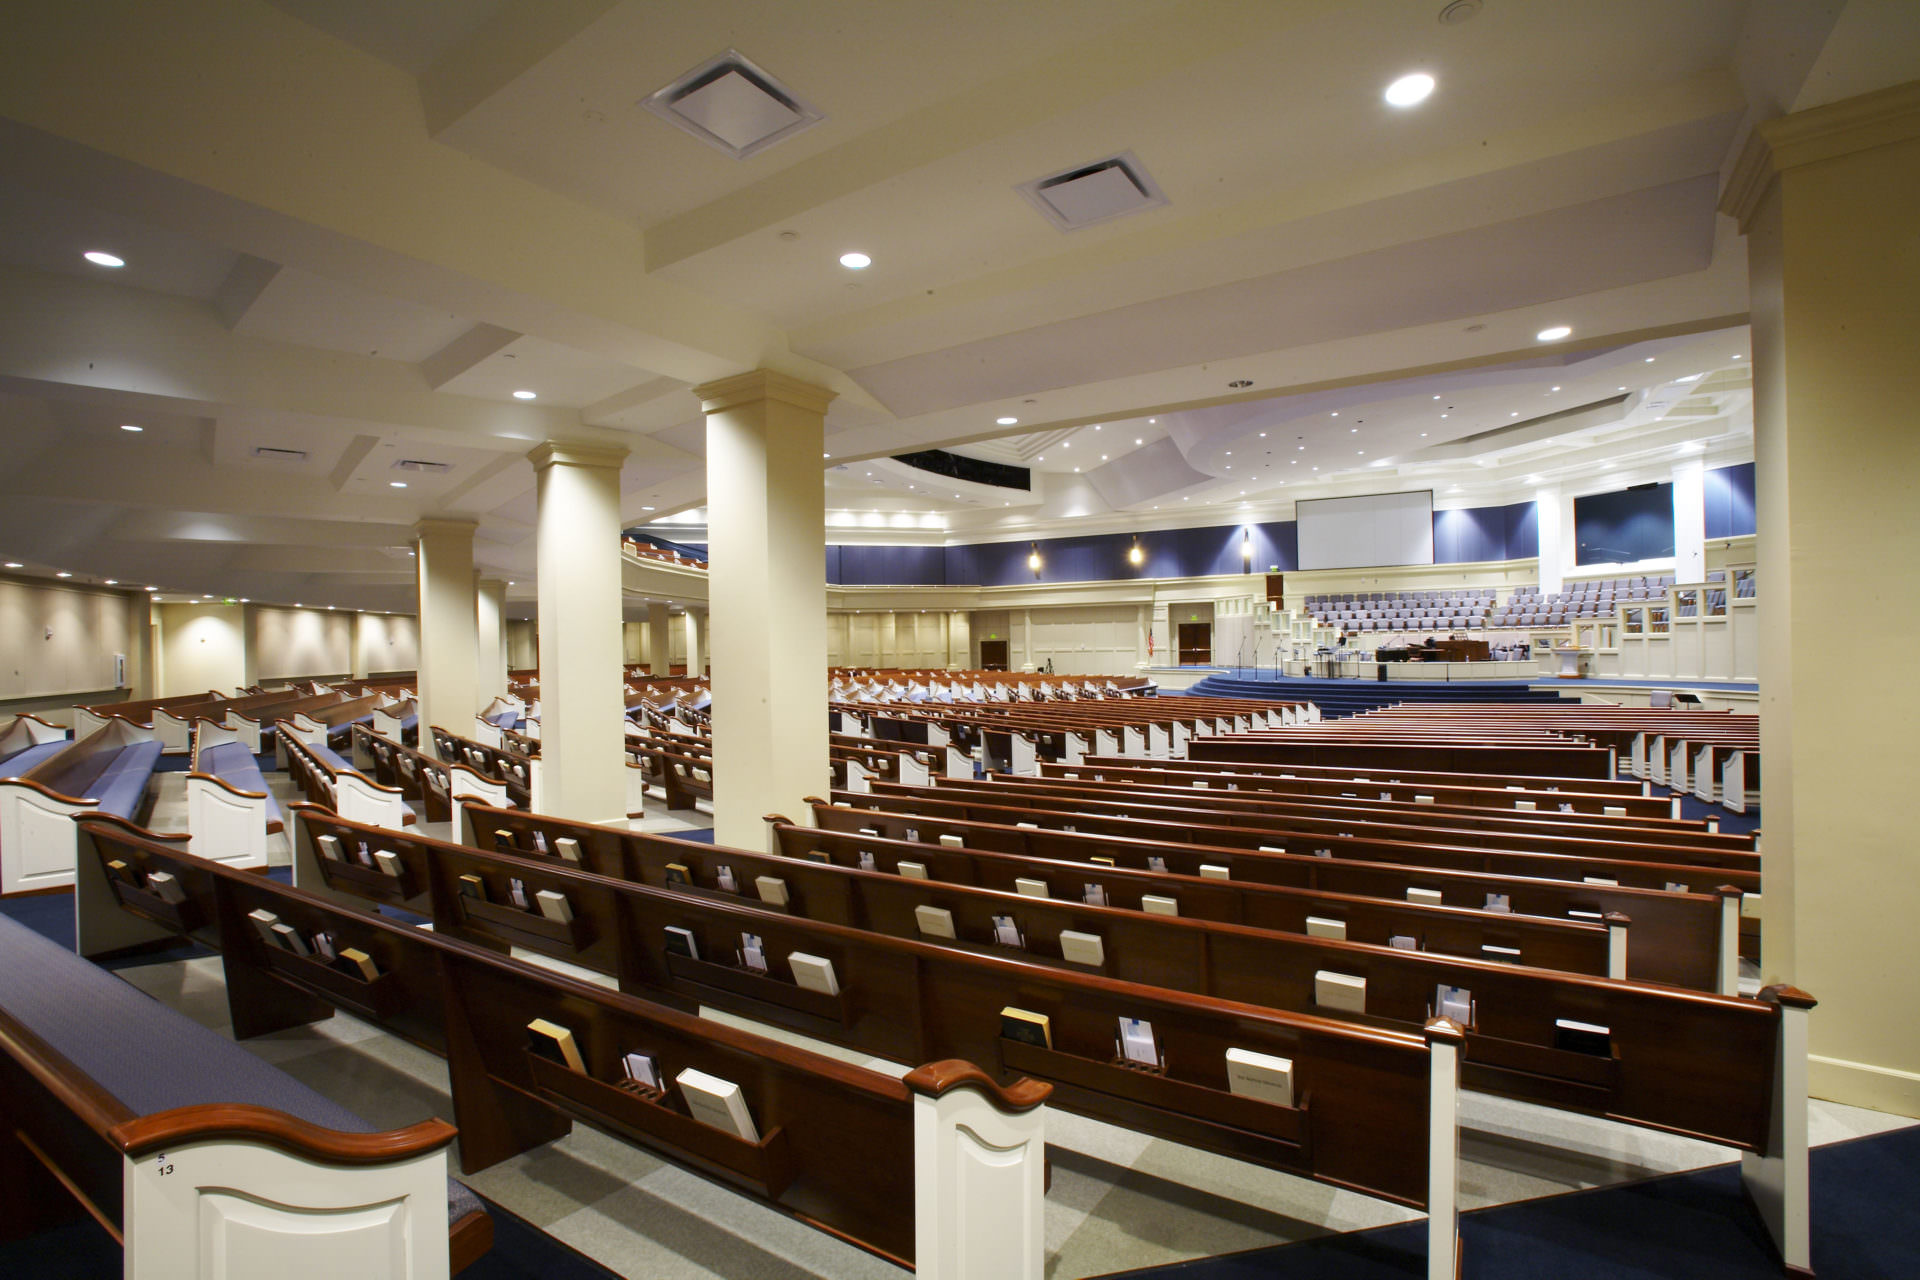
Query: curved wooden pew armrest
224, 785
296, 1137
937, 1078
1790, 997
49, 792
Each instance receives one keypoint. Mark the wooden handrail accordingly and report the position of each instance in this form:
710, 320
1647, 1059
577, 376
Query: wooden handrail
288, 1133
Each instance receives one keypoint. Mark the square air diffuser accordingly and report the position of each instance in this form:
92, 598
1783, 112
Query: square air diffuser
730, 104
1090, 193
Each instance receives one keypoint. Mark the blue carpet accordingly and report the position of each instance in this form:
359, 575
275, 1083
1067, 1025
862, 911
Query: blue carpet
697, 836
1689, 1226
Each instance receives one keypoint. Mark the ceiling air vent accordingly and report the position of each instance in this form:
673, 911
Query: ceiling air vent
423, 468
729, 103
267, 453
1090, 193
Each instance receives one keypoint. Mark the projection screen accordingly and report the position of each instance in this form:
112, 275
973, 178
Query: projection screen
1372, 530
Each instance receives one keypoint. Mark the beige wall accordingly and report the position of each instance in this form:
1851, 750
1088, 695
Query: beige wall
523, 644
297, 644
1836, 305
88, 627
897, 638
203, 646
389, 642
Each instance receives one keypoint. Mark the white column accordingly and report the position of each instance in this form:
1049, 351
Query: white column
1690, 521
578, 553
695, 648
1555, 537
766, 517
660, 638
490, 607
448, 655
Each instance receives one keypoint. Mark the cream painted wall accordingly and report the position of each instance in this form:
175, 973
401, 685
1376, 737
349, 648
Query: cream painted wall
88, 625
388, 642
203, 646
897, 638
298, 644
523, 644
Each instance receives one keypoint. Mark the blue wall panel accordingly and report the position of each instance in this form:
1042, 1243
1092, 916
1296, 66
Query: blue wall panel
868, 566
1730, 501
1469, 533
1621, 527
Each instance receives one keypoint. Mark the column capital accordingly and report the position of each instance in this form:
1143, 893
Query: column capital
444, 526
560, 453
1838, 129
761, 384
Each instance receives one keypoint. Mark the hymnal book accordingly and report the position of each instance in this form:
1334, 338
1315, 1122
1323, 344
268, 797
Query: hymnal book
1602, 881
682, 942
772, 890
289, 939
1260, 1076
1500, 902
123, 873
934, 922
1341, 991
329, 847
567, 847
1103, 860
869, 831
1007, 933
1200, 784
390, 863
913, 834
911, 870
866, 861
1137, 1043
263, 922
555, 1043
1575, 913
1323, 853
1566, 807
503, 841
1499, 954
1455, 1003
753, 953
716, 1102
554, 906
1094, 895
677, 873
473, 887
1420, 799
1156, 863
1609, 810
324, 948
540, 842
1403, 942
820, 855
815, 973
366, 856
1582, 1037
169, 890
1525, 806
358, 963
723, 876
1674, 886
1213, 871
1273, 848
1322, 927
1030, 826
642, 1069
1026, 1027
1156, 905
1082, 948
1431, 897
952, 842
1027, 886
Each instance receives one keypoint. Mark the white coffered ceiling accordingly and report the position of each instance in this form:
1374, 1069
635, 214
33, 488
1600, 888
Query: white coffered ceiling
354, 229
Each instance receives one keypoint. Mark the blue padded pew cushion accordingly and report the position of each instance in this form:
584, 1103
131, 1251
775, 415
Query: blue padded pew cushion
233, 764
147, 1055
123, 784
21, 761
329, 757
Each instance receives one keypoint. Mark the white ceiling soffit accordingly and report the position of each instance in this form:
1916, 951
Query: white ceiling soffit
1090, 193
1150, 472
733, 106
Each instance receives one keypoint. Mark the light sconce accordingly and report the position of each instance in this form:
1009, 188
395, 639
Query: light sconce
1033, 557
1246, 546
1136, 557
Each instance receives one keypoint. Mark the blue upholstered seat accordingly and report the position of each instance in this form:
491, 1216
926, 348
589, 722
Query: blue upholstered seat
329, 757
123, 784
21, 761
234, 765
147, 1055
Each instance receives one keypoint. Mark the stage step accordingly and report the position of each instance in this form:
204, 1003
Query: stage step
1337, 698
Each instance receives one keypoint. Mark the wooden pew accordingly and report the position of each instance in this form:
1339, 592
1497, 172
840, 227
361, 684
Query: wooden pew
88, 720
108, 769
1688, 937
194, 1155
29, 740
473, 1007
1463, 755
329, 780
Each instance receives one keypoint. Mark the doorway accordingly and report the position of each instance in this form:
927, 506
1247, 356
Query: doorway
1195, 641
993, 655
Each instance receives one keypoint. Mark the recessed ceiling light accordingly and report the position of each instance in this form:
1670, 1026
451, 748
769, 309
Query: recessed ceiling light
1692, 377
153, 588
855, 261
396, 484
63, 574
1514, 414
245, 600
113, 582
1423, 435
1361, 452
1008, 422
1442, 415
826, 455
128, 426
525, 395
1556, 388
1736, 355
1621, 388
1410, 90
1554, 334
15, 564
1649, 359
1096, 426
1436, 397
100, 258
1336, 413
646, 508
1151, 421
